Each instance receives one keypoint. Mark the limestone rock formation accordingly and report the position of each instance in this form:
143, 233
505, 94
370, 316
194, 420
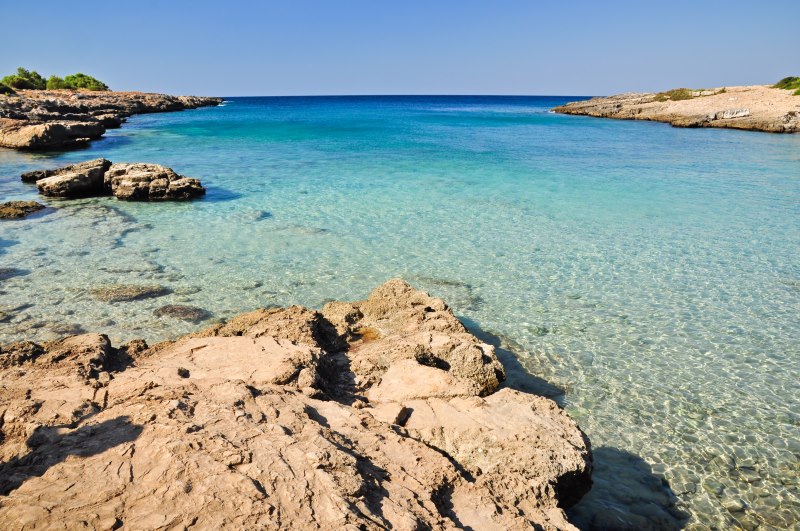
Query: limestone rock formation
759, 108
137, 181
18, 209
94, 169
75, 180
285, 419
47, 119
141, 181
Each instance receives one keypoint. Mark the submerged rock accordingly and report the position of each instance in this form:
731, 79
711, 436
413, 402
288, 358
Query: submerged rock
8, 272
366, 415
184, 313
18, 209
141, 182
127, 292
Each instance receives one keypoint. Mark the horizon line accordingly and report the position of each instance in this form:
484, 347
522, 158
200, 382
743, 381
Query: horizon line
407, 95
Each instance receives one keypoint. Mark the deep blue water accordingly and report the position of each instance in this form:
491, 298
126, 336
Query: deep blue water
646, 277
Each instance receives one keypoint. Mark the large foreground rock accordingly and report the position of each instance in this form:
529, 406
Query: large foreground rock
285, 419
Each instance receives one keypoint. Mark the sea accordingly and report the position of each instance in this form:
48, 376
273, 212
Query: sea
645, 277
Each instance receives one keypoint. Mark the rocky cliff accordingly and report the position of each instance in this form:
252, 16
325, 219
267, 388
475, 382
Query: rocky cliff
46, 119
758, 108
382, 413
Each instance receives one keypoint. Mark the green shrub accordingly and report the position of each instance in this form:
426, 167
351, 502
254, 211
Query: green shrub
674, 95
56, 83
24, 79
5, 89
83, 81
789, 83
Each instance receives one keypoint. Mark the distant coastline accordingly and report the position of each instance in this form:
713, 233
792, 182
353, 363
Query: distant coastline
755, 108
59, 119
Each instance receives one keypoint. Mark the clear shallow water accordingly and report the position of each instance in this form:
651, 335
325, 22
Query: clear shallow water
649, 275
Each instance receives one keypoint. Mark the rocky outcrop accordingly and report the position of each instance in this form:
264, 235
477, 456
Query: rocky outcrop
383, 413
93, 169
142, 182
76, 180
758, 108
137, 181
18, 209
47, 119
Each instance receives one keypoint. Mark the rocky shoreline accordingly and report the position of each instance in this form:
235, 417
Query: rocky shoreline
381, 413
50, 119
756, 108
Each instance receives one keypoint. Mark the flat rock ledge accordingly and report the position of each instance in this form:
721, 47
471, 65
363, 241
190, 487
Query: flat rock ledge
757, 108
50, 119
138, 181
381, 413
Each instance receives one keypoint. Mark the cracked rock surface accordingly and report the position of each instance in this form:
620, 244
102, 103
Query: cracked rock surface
756, 107
382, 413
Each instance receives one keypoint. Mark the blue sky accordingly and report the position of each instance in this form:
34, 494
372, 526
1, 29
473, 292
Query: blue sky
306, 47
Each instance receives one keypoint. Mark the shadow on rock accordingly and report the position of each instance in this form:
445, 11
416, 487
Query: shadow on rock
626, 495
517, 376
49, 448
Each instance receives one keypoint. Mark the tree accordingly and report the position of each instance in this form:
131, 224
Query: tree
56, 83
25, 79
83, 81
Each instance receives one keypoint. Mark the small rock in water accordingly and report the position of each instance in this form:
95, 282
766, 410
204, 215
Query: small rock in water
18, 209
187, 290
184, 313
125, 292
733, 505
713, 487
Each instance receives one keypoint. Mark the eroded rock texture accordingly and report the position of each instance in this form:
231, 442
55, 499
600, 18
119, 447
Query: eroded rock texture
383, 413
135, 181
758, 108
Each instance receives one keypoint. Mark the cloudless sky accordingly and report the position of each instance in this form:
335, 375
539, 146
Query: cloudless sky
309, 47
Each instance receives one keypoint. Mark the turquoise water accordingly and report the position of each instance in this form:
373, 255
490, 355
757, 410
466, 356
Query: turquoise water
645, 277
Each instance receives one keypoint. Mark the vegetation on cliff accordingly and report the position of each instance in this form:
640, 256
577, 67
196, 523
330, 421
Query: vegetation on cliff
31, 79
25, 79
789, 83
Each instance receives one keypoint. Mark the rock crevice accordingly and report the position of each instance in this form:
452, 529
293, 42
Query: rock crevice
286, 418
